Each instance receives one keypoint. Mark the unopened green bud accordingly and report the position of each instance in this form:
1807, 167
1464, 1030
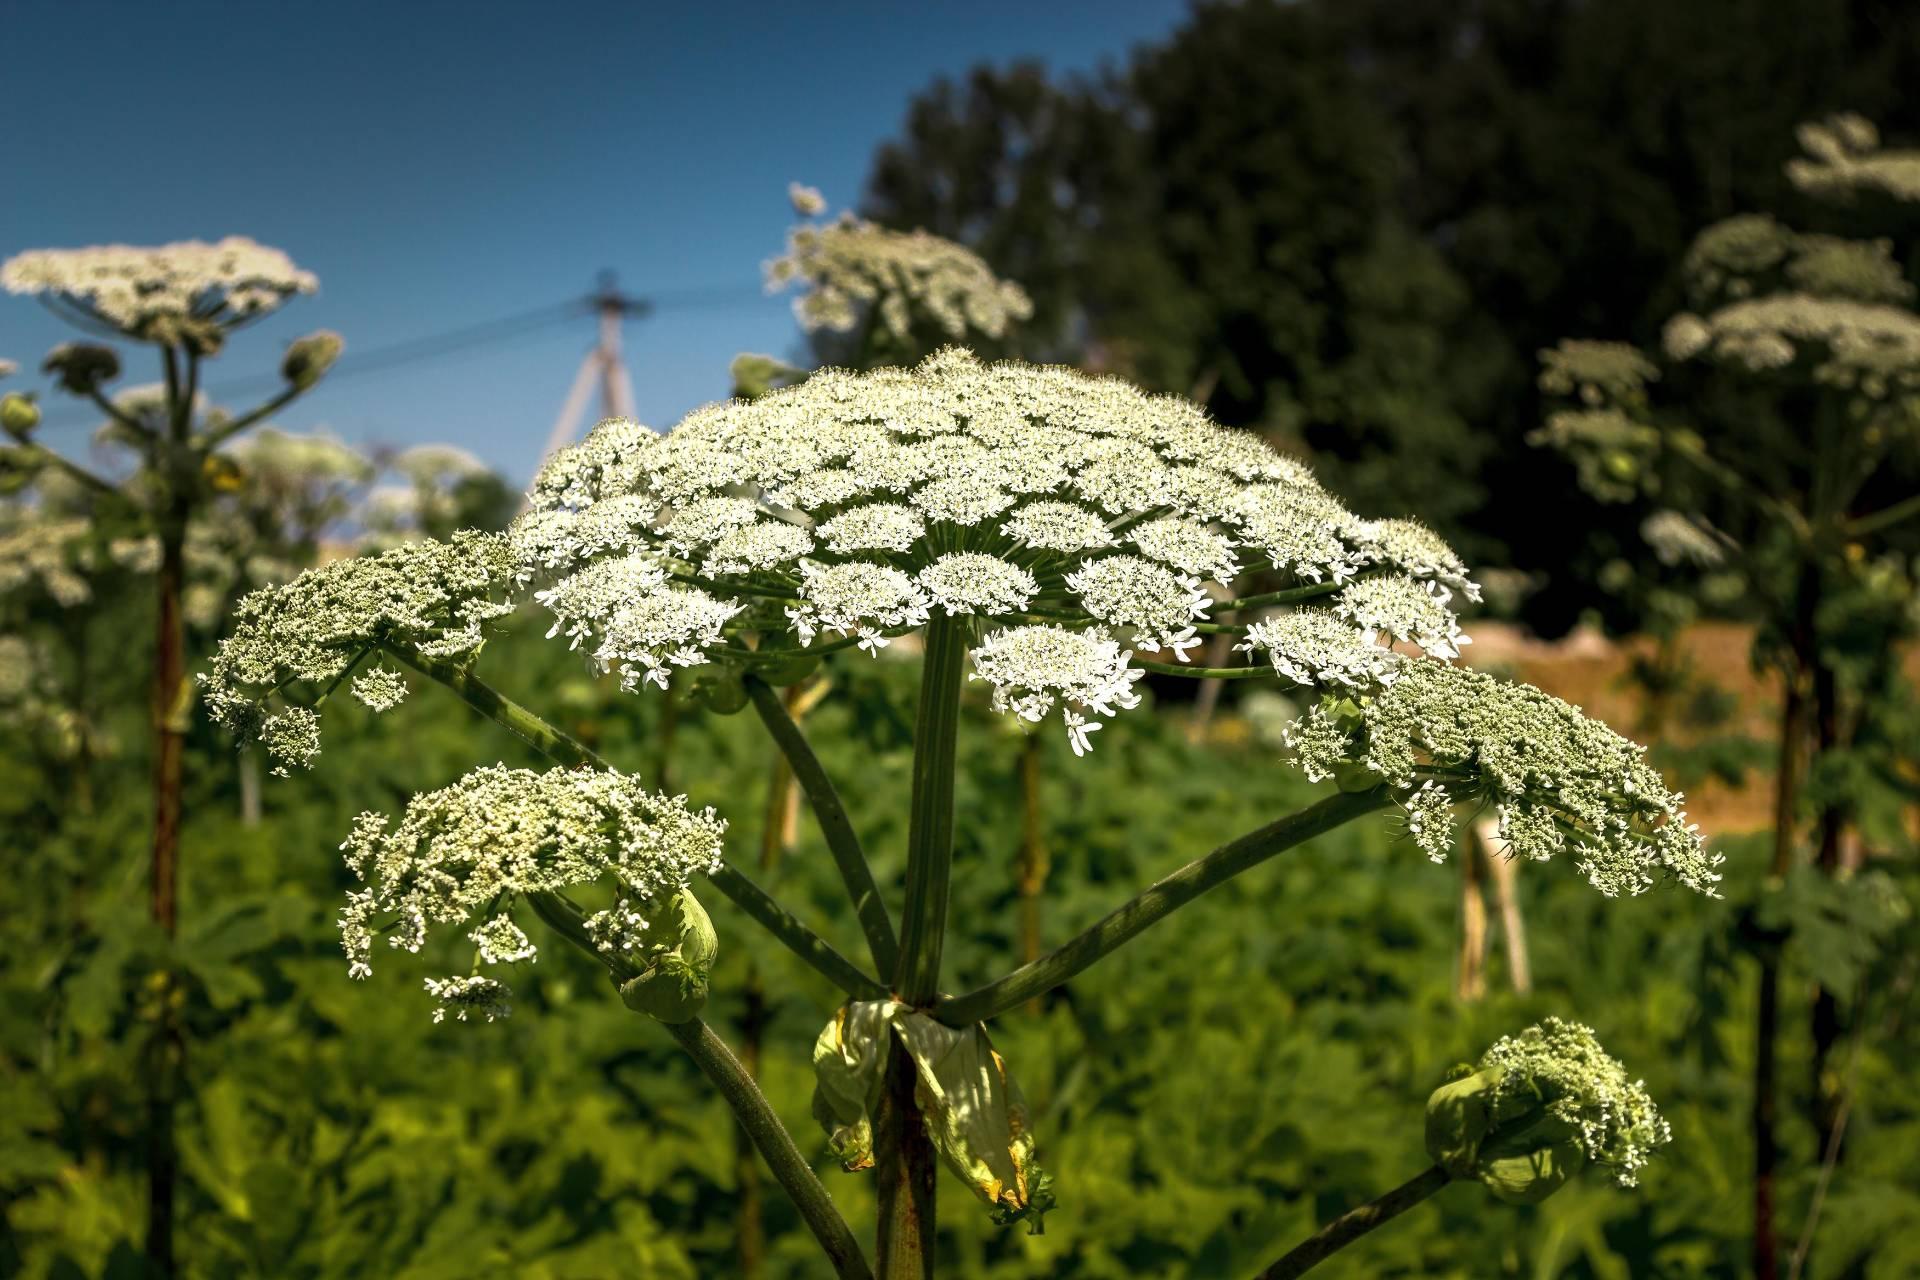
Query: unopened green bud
19, 464
82, 367
719, 688
783, 669
754, 375
1522, 1160
308, 359
673, 986
19, 415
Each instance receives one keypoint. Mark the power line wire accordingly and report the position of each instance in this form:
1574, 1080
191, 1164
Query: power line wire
454, 341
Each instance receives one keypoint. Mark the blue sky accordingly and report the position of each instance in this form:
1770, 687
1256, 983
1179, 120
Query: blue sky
442, 165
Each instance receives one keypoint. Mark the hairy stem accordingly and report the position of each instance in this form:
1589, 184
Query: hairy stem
1155, 904
167, 722
227, 430
1034, 863
930, 821
1263, 671
796, 936
1795, 711
842, 841
743, 1097
904, 1159
1353, 1224
776, 1145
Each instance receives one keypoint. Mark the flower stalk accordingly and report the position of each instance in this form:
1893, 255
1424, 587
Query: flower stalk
562, 748
1154, 904
905, 1155
743, 1097
1355, 1223
930, 823
842, 841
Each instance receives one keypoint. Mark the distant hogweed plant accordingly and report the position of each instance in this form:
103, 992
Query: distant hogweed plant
850, 271
183, 300
1777, 464
1052, 536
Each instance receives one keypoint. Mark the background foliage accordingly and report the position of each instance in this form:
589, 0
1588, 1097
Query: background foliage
1350, 224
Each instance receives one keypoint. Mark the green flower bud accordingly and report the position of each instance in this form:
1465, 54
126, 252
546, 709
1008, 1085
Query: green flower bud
719, 688
1522, 1161
754, 374
1541, 1106
19, 464
781, 670
19, 415
673, 985
82, 367
308, 359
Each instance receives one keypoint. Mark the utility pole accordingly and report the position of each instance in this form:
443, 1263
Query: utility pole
603, 364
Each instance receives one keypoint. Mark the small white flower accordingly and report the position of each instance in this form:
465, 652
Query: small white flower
468, 997
969, 582
380, 688
1033, 668
1159, 605
1317, 648
1398, 607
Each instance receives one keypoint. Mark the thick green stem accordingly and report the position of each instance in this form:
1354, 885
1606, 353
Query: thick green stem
1353, 1224
842, 841
1155, 904
227, 430
930, 822
904, 1158
550, 741
1885, 518
563, 748
167, 715
1290, 595
743, 1096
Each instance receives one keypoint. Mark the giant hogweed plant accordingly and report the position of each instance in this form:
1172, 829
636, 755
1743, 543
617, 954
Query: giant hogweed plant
184, 300
1046, 535
1777, 467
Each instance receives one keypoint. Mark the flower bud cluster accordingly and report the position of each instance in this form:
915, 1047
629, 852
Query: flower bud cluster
1560, 1068
499, 834
434, 597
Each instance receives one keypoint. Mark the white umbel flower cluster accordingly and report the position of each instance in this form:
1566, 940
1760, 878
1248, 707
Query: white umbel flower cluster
500, 834
434, 597
1769, 297
1562, 1066
1075, 520
1319, 649
1032, 669
189, 292
1844, 158
849, 268
1563, 782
